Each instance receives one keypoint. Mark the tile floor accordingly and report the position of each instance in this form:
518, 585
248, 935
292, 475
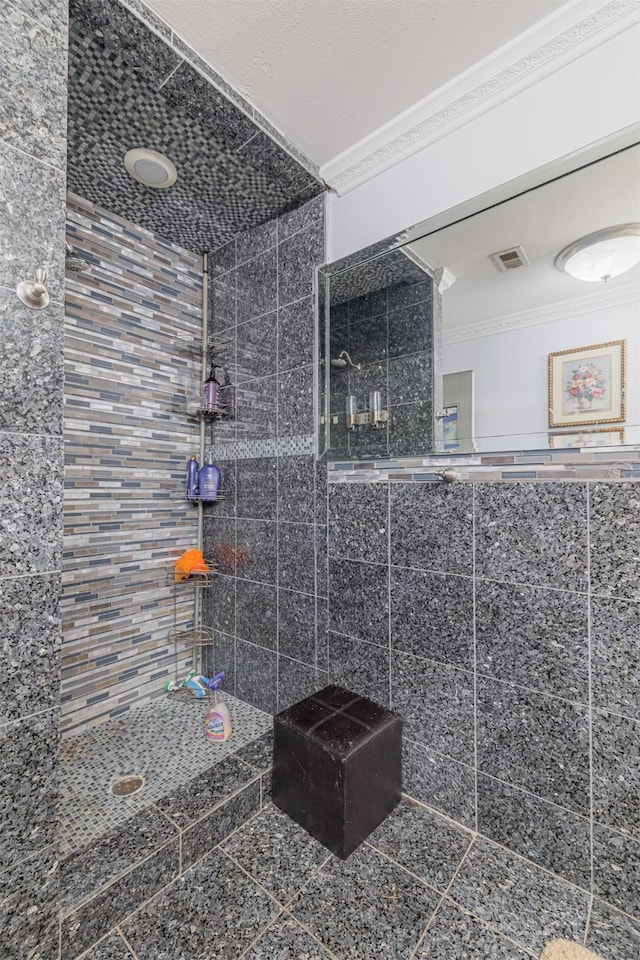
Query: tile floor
162, 741
421, 887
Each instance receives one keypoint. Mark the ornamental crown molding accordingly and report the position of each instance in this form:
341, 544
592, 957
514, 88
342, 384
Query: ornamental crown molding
561, 310
555, 42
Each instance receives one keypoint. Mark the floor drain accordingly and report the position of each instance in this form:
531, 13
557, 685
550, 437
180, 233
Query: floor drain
127, 785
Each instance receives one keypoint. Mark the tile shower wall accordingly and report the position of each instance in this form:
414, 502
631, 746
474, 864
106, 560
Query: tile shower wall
502, 621
32, 196
268, 606
132, 339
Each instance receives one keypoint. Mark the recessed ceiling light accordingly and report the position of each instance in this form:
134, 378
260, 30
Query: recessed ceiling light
151, 168
603, 254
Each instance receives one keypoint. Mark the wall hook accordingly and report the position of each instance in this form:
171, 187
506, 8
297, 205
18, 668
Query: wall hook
33, 293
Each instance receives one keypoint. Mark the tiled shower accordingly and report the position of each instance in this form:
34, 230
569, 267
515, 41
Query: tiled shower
499, 619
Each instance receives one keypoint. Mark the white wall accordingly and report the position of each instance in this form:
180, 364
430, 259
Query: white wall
511, 374
591, 98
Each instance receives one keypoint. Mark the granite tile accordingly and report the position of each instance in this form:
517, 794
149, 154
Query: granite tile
410, 429
549, 835
532, 533
225, 507
193, 799
614, 533
410, 329
222, 302
534, 636
616, 869
365, 907
616, 771
31, 358
322, 561
297, 626
422, 842
257, 613
112, 947
322, 492
296, 681
98, 916
223, 352
252, 242
256, 676
206, 833
85, 872
223, 657
53, 16
615, 653
534, 741
359, 521
295, 334
368, 339
220, 543
33, 109
370, 304
404, 295
29, 916
276, 852
28, 786
296, 482
295, 402
258, 753
432, 527
256, 548
257, 488
519, 900
436, 704
410, 377
309, 214
432, 616
612, 934
224, 258
185, 921
26, 186
257, 286
439, 782
358, 600
361, 667
297, 258
455, 934
256, 405
286, 939
219, 604
296, 556
257, 347
29, 666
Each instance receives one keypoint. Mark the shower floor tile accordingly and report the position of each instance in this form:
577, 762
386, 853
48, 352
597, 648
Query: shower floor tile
162, 742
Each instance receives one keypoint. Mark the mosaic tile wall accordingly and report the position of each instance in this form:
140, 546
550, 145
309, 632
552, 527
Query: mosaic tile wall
32, 197
502, 621
268, 606
136, 84
132, 335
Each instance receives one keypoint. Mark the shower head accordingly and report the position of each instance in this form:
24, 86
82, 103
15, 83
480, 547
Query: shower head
344, 360
72, 262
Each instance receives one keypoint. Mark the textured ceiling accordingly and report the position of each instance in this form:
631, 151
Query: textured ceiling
329, 72
127, 88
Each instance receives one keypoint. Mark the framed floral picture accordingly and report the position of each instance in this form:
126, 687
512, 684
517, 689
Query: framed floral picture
587, 385
607, 437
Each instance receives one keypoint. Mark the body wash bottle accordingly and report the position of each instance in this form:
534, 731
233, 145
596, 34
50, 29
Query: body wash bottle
208, 481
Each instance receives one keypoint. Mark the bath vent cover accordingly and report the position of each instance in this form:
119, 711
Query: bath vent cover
509, 259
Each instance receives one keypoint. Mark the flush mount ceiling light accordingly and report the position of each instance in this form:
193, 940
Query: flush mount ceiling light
603, 254
151, 168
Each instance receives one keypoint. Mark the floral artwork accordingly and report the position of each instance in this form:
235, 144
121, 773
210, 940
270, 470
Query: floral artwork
607, 437
586, 385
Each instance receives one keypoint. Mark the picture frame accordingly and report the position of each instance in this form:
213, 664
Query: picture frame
587, 385
607, 437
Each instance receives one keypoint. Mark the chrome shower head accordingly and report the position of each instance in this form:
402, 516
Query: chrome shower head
72, 262
344, 360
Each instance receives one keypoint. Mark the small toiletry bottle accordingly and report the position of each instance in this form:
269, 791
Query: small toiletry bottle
208, 481
192, 479
217, 722
211, 393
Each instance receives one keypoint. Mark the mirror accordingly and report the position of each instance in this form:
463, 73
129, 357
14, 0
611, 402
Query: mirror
485, 335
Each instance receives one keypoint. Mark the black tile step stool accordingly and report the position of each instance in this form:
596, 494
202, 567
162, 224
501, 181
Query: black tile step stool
337, 766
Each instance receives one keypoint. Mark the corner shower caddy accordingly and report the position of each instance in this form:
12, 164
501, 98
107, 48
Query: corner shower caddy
197, 636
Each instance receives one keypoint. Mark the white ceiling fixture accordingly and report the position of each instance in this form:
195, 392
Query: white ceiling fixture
151, 168
603, 254
357, 85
